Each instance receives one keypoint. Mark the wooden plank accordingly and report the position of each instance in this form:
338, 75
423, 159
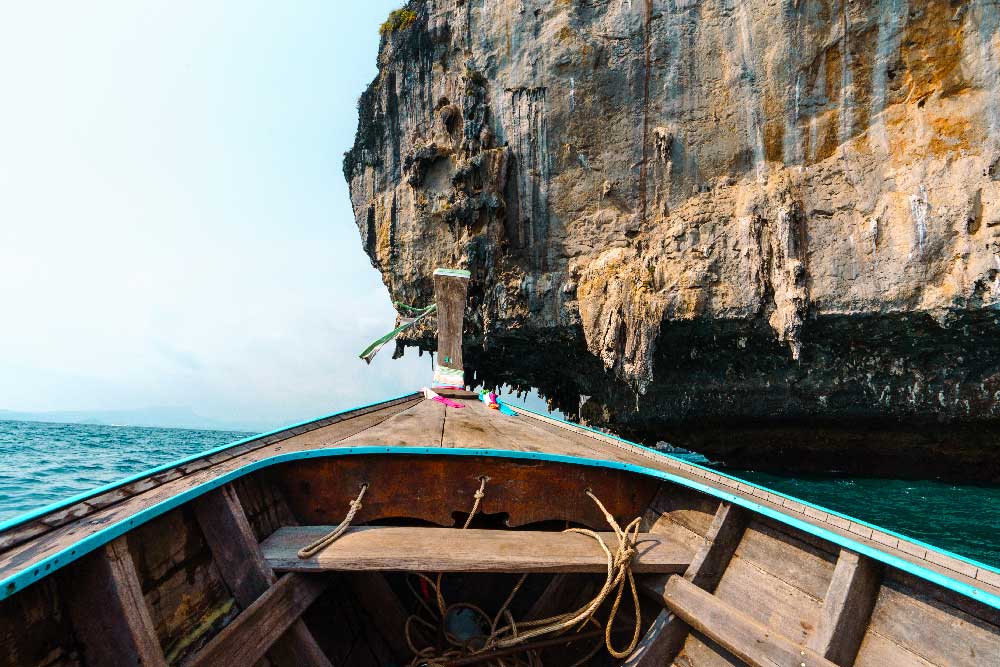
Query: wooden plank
700, 651
383, 609
238, 556
252, 633
437, 489
25, 556
109, 613
564, 591
878, 651
770, 600
932, 630
787, 557
847, 608
388, 548
234, 547
417, 426
724, 535
450, 294
665, 637
750, 641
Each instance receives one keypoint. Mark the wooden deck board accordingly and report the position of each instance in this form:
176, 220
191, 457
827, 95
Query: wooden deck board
24, 556
741, 635
415, 422
617, 450
418, 426
109, 612
455, 550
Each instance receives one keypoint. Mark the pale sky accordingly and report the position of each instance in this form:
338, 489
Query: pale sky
175, 228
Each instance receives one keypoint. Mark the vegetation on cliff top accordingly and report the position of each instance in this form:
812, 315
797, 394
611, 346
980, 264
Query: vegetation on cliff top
399, 19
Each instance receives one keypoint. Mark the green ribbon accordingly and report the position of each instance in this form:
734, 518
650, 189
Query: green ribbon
417, 314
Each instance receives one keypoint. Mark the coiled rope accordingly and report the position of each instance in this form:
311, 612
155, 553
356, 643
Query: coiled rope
500, 637
311, 550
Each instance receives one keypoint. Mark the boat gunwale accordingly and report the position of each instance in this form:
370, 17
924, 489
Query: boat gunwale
41, 569
40, 512
860, 522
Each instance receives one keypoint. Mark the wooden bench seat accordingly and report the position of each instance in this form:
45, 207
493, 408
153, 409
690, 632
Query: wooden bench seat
455, 550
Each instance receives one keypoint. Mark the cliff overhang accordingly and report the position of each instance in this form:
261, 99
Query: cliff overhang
770, 234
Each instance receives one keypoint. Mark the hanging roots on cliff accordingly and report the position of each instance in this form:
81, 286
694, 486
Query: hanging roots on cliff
512, 643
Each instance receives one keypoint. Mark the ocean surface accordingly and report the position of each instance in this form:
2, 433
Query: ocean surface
42, 463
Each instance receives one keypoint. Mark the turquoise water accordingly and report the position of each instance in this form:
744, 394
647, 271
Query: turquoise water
42, 463
962, 518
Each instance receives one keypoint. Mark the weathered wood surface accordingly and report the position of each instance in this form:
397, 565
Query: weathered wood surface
379, 426
35, 629
109, 613
847, 608
450, 294
561, 593
253, 632
665, 637
474, 426
518, 433
239, 558
907, 623
750, 641
188, 476
437, 489
383, 610
614, 449
387, 548
188, 599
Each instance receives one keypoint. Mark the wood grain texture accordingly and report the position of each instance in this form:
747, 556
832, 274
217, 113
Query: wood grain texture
665, 637
557, 596
35, 629
847, 608
108, 611
450, 294
383, 610
700, 651
439, 488
241, 562
251, 635
384, 548
234, 547
174, 481
769, 600
750, 641
925, 627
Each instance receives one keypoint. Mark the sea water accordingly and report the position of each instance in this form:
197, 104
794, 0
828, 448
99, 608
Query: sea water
42, 463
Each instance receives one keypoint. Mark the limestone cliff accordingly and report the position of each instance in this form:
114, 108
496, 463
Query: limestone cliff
767, 230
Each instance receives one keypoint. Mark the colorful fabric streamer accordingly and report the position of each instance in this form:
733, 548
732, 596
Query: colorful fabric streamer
417, 314
434, 396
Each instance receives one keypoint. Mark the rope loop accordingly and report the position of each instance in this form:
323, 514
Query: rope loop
514, 633
354, 507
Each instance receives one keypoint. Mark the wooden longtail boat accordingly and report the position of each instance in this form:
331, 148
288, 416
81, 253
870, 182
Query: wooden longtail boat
197, 562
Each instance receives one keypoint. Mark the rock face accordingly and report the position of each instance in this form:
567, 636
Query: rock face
766, 230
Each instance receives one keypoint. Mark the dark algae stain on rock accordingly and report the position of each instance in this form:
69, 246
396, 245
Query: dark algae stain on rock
769, 232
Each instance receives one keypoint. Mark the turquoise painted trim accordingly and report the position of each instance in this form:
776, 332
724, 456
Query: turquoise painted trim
61, 504
860, 522
48, 565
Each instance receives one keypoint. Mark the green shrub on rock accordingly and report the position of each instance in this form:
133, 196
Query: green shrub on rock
399, 19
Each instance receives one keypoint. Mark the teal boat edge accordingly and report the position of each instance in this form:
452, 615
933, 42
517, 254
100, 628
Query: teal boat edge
62, 504
43, 568
945, 552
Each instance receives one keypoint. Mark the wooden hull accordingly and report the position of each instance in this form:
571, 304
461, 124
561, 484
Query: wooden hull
191, 563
